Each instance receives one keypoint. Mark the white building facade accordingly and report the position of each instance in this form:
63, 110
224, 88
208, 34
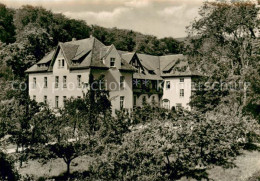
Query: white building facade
132, 79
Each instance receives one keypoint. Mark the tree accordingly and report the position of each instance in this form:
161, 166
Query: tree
76, 131
7, 170
168, 149
224, 46
7, 28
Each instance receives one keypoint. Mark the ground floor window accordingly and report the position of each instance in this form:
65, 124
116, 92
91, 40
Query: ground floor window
64, 100
45, 99
122, 99
57, 101
178, 106
166, 103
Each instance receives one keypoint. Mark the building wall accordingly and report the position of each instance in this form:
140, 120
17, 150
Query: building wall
112, 82
173, 94
72, 89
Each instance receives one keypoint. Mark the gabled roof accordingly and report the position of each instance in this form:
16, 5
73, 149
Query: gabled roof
87, 53
127, 56
47, 58
150, 62
125, 66
168, 60
176, 66
69, 51
78, 55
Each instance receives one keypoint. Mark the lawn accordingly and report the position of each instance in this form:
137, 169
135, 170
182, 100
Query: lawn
248, 168
54, 167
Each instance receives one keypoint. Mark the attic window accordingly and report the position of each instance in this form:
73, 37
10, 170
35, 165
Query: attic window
62, 62
112, 62
151, 72
41, 65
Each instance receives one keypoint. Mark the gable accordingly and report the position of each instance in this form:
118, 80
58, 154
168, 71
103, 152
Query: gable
112, 53
60, 64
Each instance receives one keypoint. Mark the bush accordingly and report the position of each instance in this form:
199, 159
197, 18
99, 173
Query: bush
7, 170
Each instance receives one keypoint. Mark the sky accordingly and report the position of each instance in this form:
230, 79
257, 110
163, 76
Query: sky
162, 18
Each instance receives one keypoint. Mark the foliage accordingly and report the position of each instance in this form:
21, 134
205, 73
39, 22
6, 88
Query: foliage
128, 40
7, 170
224, 46
76, 130
7, 28
149, 112
186, 145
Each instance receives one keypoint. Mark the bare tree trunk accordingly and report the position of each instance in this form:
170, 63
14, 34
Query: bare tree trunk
68, 167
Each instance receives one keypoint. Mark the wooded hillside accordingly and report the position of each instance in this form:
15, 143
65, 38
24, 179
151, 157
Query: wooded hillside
34, 31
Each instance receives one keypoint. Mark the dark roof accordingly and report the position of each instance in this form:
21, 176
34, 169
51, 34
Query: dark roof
150, 62
47, 58
125, 66
169, 59
87, 53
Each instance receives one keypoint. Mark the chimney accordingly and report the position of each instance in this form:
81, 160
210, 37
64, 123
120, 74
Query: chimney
90, 36
74, 39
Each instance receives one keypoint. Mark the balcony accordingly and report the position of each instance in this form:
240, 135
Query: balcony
147, 91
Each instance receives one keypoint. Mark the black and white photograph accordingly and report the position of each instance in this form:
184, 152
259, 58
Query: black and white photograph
122, 90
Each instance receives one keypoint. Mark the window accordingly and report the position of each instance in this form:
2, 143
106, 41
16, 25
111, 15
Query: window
178, 106
34, 97
59, 63
122, 98
135, 100
64, 81
166, 104
79, 97
62, 62
122, 82
56, 101
56, 81
34, 82
45, 99
154, 84
181, 79
181, 92
64, 100
168, 84
112, 62
45, 82
79, 80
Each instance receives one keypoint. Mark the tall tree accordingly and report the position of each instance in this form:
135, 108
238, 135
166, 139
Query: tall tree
7, 28
224, 45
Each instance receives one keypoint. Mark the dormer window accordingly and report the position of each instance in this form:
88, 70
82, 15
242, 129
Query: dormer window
62, 62
112, 62
41, 65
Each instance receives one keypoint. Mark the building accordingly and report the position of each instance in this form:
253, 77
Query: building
132, 79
